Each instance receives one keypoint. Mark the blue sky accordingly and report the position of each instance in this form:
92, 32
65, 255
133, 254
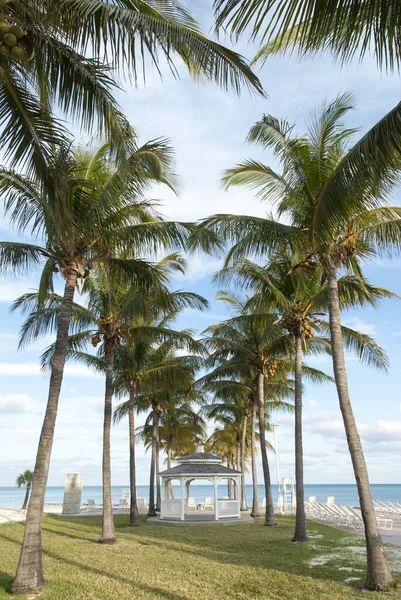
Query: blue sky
207, 127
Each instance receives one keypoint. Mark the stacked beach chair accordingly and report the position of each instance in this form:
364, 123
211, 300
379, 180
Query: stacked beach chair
343, 516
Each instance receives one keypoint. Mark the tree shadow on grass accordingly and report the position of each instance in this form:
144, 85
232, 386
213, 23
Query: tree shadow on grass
6, 579
257, 546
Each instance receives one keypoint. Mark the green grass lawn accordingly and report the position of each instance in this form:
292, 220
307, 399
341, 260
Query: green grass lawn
194, 563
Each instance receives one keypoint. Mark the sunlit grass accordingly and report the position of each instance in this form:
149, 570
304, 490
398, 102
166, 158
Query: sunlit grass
190, 563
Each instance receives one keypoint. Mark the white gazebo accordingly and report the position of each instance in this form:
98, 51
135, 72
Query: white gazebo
185, 510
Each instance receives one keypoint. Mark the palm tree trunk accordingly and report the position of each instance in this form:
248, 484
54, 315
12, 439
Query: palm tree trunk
378, 573
151, 509
229, 485
28, 489
238, 464
157, 465
269, 515
29, 576
133, 512
255, 499
170, 491
108, 534
300, 534
243, 443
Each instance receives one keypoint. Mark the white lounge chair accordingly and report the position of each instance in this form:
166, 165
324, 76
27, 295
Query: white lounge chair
91, 503
264, 503
141, 504
123, 503
191, 504
208, 505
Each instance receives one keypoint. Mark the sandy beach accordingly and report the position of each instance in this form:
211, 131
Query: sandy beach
17, 514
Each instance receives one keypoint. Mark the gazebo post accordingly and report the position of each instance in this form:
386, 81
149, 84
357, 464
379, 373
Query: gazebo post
216, 501
182, 499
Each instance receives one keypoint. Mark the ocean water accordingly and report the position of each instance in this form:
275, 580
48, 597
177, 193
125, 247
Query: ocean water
344, 494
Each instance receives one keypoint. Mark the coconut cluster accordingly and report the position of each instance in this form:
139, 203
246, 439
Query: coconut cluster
271, 367
119, 332
12, 35
308, 264
298, 326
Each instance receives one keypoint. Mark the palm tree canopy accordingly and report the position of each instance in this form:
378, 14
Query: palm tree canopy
325, 189
300, 296
70, 52
349, 29
24, 478
180, 429
91, 212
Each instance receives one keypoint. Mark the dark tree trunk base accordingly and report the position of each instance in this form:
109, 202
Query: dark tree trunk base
109, 541
299, 539
17, 590
136, 524
152, 514
269, 524
256, 514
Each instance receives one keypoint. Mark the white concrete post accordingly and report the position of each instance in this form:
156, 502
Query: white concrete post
72, 494
238, 486
182, 500
216, 502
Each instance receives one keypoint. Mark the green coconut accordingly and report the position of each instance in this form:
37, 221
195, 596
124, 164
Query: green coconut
18, 53
10, 40
17, 31
5, 50
4, 27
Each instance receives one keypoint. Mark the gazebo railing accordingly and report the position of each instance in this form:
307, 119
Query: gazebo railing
229, 508
171, 508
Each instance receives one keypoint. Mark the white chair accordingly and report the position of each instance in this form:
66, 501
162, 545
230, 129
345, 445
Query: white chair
191, 504
264, 503
330, 500
208, 506
91, 503
141, 504
123, 503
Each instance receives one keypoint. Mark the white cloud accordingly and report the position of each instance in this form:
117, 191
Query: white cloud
198, 268
358, 325
17, 404
34, 369
12, 289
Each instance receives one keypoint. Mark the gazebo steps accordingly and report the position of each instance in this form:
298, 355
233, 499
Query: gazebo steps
196, 521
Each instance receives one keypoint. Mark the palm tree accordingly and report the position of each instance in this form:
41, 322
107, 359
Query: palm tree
233, 416
251, 347
180, 429
336, 237
83, 221
116, 312
301, 299
68, 53
25, 480
157, 374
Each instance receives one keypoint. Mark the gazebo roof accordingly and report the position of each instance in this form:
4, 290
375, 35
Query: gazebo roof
199, 463
200, 469
199, 457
